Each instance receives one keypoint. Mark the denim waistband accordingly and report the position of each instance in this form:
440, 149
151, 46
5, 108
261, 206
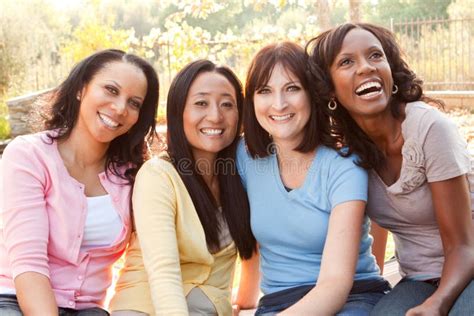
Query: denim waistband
296, 293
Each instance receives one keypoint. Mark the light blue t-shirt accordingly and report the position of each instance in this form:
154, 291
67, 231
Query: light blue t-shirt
291, 227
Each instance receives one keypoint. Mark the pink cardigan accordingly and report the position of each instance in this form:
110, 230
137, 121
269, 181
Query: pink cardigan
42, 217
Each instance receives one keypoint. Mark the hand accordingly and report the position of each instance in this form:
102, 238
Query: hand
235, 310
425, 309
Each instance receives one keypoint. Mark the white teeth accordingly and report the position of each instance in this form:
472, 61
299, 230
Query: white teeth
368, 85
108, 121
212, 131
281, 117
371, 94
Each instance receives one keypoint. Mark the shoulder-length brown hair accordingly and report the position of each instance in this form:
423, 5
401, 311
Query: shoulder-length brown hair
293, 58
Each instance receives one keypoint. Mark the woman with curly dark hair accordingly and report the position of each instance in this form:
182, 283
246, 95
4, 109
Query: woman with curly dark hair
65, 213
418, 162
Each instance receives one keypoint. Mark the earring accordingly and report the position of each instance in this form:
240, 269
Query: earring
332, 104
394, 89
78, 96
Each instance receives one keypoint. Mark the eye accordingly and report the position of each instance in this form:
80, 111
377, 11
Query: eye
112, 90
293, 88
200, 103
135, 104
227, 104
376, 55
263, 91
345, 62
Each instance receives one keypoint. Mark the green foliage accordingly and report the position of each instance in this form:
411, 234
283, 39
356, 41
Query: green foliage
4, 125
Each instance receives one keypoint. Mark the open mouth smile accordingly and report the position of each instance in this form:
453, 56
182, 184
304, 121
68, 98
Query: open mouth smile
281, 118
109, 122
369, 89
212, 131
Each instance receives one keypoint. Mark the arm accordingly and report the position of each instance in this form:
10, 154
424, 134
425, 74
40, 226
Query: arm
35, 294
380, 243
26, 229
249, 284
452, 207
338, 265
154, 207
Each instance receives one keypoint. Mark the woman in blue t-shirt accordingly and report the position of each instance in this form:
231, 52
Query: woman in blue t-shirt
307, 201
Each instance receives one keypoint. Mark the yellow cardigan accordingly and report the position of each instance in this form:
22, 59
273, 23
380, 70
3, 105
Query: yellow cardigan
174, 257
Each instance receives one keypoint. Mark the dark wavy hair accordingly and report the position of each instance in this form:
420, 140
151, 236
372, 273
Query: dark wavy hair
323, 50
129, 149
235, 205
293, 58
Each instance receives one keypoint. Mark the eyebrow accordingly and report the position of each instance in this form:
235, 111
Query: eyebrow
342, 53
208, 93
115, 82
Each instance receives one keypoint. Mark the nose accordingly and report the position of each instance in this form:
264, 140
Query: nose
279, 103
365, 67
214, 113
119, 106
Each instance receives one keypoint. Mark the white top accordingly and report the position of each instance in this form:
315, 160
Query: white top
103, 223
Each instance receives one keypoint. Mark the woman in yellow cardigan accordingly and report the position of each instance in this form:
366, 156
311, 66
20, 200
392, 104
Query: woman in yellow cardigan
190, 209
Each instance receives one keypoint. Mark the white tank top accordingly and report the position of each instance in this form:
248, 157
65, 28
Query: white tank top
103, 224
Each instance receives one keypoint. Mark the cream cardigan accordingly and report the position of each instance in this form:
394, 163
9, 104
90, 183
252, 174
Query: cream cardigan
172, 256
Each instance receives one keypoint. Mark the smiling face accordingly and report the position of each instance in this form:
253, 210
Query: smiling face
361, 75
111, 101
282, 106
210, 114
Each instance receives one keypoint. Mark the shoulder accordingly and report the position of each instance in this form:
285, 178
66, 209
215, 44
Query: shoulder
32, 147
242, 151
420, 117
335, 158
160, 165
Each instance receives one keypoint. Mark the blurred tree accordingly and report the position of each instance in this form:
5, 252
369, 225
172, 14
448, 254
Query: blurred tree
354, 10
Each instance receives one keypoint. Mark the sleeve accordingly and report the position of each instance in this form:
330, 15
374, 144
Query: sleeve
23, 209
445, 151
242, 159
154, 205
347, 181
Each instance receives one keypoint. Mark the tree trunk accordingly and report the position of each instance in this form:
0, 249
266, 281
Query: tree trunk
323, 14
354, 10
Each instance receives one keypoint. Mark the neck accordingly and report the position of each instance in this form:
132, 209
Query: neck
82, 151
290, 158
384, 130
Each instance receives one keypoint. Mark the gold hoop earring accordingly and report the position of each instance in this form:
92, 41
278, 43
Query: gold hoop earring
394, 89
332, 104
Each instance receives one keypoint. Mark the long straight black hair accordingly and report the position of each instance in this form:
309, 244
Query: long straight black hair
234, 202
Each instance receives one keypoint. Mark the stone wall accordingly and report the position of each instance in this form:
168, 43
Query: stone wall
19, 112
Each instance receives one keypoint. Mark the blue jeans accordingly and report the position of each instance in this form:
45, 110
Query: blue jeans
407, 294
363, 297
9, 307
